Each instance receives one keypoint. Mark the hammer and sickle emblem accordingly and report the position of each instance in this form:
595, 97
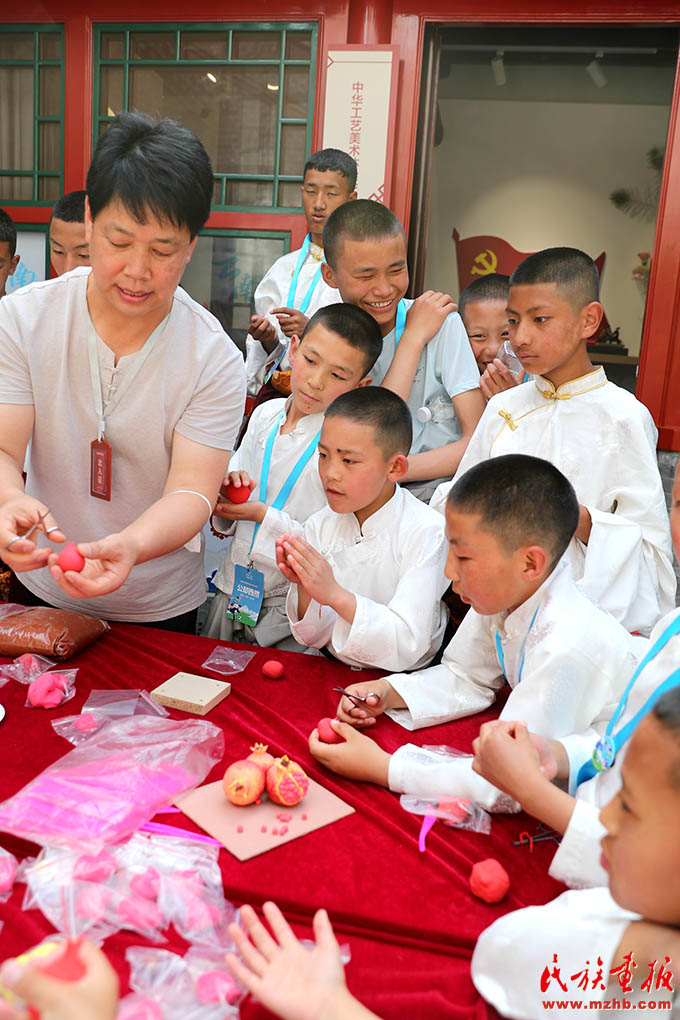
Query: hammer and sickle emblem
485, 263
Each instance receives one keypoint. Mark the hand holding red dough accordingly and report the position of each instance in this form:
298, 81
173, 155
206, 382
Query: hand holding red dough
67, 966
70, 559
327, 734
489, 880
236, 493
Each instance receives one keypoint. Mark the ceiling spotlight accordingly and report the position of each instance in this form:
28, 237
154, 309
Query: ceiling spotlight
498, 68
272, 86
212, 77
594, 69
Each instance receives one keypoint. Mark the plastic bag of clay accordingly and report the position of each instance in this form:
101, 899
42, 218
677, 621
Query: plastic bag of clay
197, 986
26, 668
227, 660
102, 707
8, 873
107, 787
456, 812
42, 630
49, 690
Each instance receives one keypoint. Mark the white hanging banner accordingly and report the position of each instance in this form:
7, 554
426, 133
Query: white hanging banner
359, 112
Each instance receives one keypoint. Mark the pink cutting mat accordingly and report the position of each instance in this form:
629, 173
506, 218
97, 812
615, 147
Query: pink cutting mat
209, 808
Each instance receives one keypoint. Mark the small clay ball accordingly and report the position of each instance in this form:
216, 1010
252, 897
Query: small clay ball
489, 880
236, 493
70, 559
327, 734
272, 669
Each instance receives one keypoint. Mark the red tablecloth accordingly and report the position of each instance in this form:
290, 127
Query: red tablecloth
409, 918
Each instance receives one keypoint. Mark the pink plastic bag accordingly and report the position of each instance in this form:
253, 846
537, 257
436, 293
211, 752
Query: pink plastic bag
103, 790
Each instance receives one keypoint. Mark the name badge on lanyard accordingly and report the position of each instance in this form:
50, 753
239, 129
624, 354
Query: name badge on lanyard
101, 454
248, 592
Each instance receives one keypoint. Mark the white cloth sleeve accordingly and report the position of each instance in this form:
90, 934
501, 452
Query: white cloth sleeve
315, 629
577, 860
424, 773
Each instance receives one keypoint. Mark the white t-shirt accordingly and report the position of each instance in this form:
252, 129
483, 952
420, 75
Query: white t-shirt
193, 382
446, 367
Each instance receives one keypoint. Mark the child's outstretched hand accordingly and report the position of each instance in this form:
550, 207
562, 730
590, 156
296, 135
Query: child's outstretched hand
249, 510
357, 757
426, 315
507, 756
93, 997
293, 982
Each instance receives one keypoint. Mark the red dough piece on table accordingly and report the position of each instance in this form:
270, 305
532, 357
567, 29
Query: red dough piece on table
489, 880
272, 669
70, 559
327, 734
236, 493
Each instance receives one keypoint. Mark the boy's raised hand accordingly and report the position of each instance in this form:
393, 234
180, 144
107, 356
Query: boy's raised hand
378, 693
357, 757
93, 997
426, 315
292, 981
262, 329
314, 573
508, 757
282, 560
496, 379
291, 321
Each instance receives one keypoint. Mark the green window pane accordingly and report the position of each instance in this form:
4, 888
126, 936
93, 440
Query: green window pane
49, 137
295, 91
112, 46
16, 189
256, 45
217, 192
110, 91
298, 45
152, 45
203, 46
292, 152
49, 189
16, 108
290, 194
249, 193
50, 45
16, 46
49, 91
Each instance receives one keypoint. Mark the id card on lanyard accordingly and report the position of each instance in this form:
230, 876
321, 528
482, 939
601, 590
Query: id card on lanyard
248, 592
101, 455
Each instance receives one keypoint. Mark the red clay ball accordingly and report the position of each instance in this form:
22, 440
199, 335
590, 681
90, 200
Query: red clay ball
327, 734
70, 559
273, 669
236, 493
489, 880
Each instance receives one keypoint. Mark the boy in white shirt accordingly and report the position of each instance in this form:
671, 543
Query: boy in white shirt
524, 765
426, 356
368, 577
335, 353
598, 434
614, 948
293, 289
566, 661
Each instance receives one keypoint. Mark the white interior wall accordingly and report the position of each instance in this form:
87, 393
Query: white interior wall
539, 174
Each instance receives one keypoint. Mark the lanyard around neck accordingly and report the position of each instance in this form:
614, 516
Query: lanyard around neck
298, 468
400, 323
607, 748
292, 290
131, 371
499, 649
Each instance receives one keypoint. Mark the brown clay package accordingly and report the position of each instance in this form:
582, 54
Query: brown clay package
58, 633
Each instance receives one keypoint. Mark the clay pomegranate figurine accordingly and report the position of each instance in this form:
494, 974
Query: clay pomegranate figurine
243, 782
287, 782
261, 756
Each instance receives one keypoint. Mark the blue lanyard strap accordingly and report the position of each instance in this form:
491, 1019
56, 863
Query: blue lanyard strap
499, 649
400, 323
607, 748
298, 468
292, 290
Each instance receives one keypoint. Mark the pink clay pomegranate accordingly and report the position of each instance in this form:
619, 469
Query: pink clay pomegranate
261, 756
243, 782
287, 783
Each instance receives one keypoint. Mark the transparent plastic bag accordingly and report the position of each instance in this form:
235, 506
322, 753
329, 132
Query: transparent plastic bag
50, 690
102, 707
103, 790
227, 660
456, 812
8, 873
197, 986
26, 668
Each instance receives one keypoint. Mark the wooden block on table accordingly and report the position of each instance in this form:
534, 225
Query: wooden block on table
190, 692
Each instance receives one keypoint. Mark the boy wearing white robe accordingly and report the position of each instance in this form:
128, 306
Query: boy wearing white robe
612, 948
335, 353
368, 577
566, 661
283, 300
524, 766
598, 434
